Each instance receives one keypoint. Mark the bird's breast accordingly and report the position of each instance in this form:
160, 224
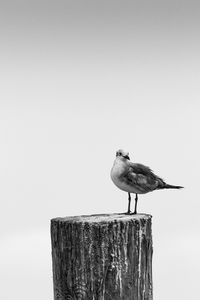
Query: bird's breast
118, 176
117, 172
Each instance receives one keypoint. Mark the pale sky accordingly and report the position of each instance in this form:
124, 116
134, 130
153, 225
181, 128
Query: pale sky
79, 80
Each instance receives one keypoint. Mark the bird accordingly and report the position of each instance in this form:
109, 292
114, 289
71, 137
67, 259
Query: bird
135, 178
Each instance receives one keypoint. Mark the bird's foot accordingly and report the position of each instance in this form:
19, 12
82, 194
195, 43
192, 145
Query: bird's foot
131, 213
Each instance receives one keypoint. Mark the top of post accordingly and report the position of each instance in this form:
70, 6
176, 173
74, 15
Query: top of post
103, 218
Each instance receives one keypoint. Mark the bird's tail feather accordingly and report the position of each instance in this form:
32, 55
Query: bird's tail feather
169, 186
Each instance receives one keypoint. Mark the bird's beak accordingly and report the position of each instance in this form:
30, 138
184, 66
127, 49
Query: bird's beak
127, 157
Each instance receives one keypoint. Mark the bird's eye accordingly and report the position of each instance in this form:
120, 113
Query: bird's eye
120, 153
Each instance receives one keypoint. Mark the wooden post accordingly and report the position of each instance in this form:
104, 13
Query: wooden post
102, 257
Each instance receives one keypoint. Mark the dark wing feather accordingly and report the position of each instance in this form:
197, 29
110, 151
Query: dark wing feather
141, 169
143, 177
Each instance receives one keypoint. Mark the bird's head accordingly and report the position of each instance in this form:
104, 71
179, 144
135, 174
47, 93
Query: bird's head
122, 153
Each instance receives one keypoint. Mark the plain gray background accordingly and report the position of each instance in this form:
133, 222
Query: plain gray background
79, 80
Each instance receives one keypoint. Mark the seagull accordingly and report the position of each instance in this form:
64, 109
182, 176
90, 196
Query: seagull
135, 178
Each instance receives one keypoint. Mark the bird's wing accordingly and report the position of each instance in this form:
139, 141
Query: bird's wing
143, 177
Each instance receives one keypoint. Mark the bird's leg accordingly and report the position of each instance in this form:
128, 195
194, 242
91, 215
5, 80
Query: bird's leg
129, 204
136, 199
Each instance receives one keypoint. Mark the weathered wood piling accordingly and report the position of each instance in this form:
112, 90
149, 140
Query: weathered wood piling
102, 257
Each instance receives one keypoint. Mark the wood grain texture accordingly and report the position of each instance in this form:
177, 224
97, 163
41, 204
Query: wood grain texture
102, 257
